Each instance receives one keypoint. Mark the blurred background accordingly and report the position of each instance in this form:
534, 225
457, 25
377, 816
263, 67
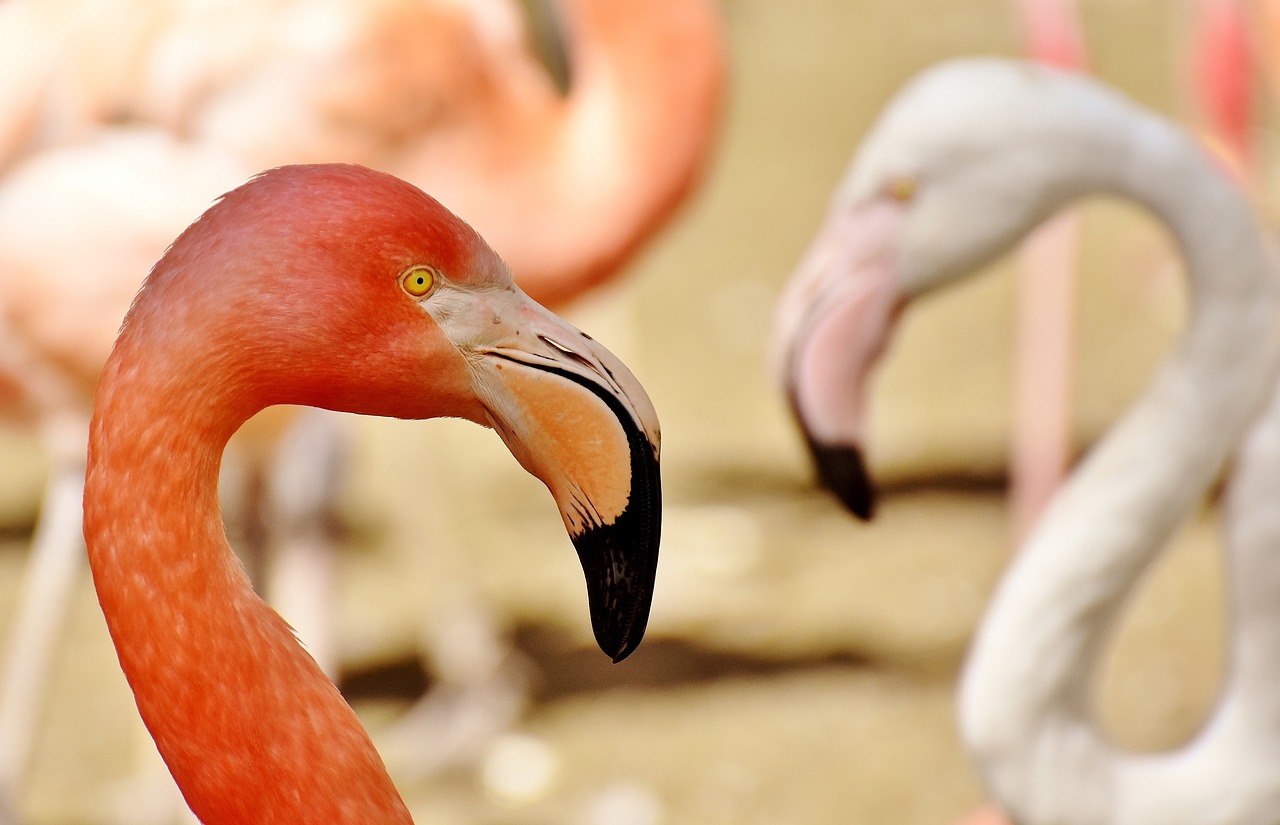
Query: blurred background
799, 666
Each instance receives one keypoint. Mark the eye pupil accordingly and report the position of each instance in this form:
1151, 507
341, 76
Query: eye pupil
418, 281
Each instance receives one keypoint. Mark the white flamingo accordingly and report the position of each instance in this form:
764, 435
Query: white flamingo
963, 163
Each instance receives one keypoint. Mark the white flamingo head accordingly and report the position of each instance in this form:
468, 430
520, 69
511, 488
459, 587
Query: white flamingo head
964, 161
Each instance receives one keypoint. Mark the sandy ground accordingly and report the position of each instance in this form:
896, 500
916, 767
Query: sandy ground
799, 666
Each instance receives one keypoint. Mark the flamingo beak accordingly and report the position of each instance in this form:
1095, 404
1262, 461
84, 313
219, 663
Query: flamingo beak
574, 416
833, 323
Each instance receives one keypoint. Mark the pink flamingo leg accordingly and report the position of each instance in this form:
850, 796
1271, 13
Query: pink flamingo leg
1045, 335
56, 550
1221, 81
984, 815
1044, 367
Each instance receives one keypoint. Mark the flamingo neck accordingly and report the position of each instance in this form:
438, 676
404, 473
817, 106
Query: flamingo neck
1250, 702
1026, 691
607, 165
247, 723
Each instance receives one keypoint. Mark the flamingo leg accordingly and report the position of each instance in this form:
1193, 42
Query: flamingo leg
480, 695
302, 488
1222, 82
1044, 368
984, 815
56, 552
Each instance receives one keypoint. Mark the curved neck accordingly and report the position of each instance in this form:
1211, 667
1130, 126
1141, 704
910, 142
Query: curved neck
593, 175
247, 723
1026, 693
1251, 704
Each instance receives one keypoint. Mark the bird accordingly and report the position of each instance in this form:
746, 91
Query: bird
568, 186
446, 94
343, 288
967, 158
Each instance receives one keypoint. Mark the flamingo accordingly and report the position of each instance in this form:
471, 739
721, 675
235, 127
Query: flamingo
446, 94
565, 186
339, 287
568, 187
966, 160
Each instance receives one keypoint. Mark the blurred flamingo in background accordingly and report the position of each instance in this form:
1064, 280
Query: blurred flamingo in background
343, 288
438, 91
567, 185
964, 162
1221, 79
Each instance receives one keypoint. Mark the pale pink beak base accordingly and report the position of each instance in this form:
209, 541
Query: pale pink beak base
834, 320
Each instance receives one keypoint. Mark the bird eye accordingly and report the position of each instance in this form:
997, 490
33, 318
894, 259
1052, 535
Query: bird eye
418, 281
901, 189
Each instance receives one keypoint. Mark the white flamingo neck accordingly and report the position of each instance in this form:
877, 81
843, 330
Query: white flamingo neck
1026, 692
247, 723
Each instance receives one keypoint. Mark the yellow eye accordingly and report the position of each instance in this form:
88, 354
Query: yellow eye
418, 281
901, 189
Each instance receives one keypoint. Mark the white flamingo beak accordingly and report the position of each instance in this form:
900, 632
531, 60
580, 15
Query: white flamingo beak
833, 322
574, 416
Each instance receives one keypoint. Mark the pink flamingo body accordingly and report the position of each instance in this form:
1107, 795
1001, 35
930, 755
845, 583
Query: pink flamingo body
565, 186
447, 95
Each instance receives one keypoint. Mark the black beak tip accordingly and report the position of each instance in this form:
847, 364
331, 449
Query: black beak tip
620, 568
628, 647
620, 562
842, 470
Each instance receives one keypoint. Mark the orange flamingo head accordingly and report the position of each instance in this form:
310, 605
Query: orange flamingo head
339, 287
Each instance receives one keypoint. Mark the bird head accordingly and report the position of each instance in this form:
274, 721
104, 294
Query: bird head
339, 287
960, 165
